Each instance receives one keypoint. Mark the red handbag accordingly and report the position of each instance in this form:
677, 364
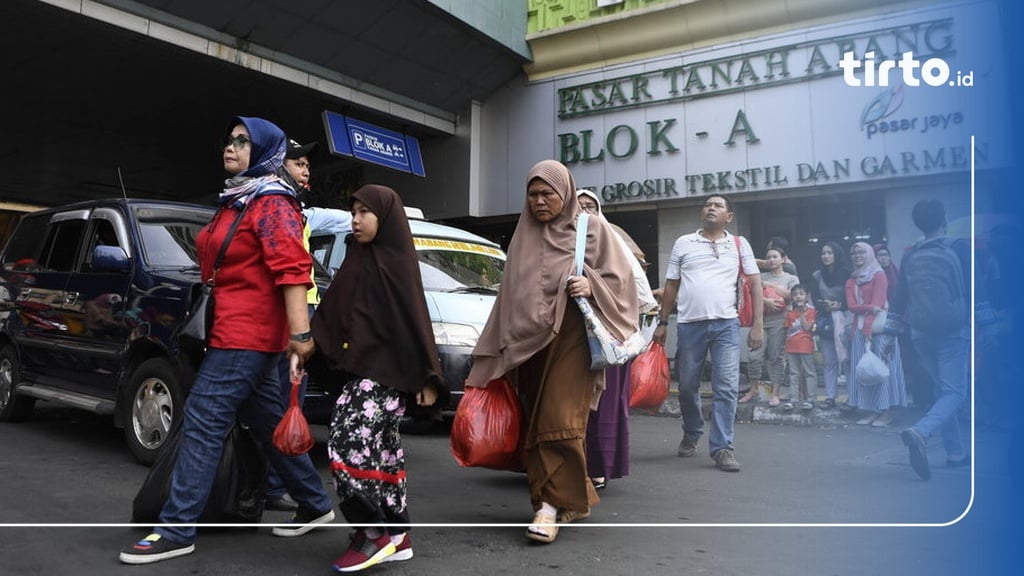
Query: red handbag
487, 430
649, 378
744, 300
292, 435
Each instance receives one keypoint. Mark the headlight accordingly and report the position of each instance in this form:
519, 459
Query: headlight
448, 334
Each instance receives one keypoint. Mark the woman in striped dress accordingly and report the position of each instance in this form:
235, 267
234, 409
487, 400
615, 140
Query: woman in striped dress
866, 297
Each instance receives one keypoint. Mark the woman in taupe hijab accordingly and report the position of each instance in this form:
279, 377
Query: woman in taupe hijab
536, 337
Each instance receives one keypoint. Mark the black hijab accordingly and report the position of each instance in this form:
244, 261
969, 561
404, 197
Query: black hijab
373, 322
841, 270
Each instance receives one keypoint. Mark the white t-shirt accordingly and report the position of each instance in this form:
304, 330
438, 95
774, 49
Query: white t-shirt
707, 283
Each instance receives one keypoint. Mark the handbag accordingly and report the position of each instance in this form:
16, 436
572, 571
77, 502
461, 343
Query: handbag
744, 299
292, 435
878, 326
487, 431
649, 378
823, 323
193, 334
237, 493
605, 349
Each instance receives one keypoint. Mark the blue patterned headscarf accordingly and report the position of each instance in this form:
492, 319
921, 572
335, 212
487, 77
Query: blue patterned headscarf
266, 157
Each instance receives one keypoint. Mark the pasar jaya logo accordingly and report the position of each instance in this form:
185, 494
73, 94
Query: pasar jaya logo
878, 116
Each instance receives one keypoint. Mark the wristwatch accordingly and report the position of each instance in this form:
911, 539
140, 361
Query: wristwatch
303, 337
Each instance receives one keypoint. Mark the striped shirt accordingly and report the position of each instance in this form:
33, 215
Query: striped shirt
707, 273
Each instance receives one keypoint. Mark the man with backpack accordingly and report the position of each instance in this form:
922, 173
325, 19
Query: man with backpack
932, 300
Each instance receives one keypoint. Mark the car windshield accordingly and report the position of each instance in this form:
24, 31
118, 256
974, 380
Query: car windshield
471, 268
169, 235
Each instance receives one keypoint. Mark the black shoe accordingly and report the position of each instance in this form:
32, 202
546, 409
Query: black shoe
303, 521
154, 548
599, 484
918, 452
284, 503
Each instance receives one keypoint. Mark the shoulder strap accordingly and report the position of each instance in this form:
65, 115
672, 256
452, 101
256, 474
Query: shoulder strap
739, 255
227, 240
581, 241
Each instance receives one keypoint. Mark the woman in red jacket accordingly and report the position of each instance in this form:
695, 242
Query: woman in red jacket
866, 298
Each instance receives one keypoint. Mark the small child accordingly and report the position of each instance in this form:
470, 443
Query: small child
800, 349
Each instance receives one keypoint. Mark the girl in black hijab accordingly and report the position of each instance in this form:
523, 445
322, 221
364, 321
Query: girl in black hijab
828, 289
373, 329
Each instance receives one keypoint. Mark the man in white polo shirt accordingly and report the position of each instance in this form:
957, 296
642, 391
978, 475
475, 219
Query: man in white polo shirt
702, 271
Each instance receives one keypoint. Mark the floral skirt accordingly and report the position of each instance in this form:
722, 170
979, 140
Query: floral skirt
365, 450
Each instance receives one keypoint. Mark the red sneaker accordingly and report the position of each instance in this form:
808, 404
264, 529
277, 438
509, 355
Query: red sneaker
403, 548
363, 552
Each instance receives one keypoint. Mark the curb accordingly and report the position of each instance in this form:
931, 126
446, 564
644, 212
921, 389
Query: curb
757, 412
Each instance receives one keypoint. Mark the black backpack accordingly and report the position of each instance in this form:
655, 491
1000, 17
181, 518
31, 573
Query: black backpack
935, 280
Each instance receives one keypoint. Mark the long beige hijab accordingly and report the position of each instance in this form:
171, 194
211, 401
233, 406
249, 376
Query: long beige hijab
532, 300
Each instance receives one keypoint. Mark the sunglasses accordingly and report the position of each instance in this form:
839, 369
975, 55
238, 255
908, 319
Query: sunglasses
237, 142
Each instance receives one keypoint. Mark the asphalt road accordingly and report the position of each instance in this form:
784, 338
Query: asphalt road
670, 516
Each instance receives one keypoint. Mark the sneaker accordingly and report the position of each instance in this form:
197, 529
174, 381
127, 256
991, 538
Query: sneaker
687, 447
403, 548
829, 404
726, 461
364, 552
786, 406
808, 405
154, 548
303, 521
918, 452
283, 503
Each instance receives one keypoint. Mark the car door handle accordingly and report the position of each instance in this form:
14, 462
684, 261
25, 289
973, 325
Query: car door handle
70, 298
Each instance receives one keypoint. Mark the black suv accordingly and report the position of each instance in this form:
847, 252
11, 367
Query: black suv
90, 294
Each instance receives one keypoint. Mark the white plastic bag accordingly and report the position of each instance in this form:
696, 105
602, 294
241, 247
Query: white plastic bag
871, 371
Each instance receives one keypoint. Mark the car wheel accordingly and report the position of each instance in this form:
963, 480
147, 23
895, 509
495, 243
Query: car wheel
154, 403
13, 408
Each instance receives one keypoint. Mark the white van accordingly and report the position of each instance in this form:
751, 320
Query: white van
460, 271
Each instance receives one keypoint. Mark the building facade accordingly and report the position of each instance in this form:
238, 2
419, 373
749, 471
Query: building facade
757, 105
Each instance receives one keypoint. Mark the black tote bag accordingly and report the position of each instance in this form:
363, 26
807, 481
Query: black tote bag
237, 494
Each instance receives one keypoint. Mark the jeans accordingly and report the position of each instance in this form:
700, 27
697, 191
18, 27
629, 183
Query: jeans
275, 483
831, 365
944, 359
695, 339
230, 384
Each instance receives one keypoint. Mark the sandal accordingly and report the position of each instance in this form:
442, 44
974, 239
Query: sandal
882, 421
866, 420
599, 484
774, 401
749, 396
543, 529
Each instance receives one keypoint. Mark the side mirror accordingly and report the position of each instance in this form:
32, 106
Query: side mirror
110, 259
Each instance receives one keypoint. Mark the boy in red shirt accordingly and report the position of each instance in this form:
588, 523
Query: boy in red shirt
800, 349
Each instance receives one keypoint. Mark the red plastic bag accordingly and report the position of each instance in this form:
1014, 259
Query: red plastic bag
487, 429
649, 378
292, 435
